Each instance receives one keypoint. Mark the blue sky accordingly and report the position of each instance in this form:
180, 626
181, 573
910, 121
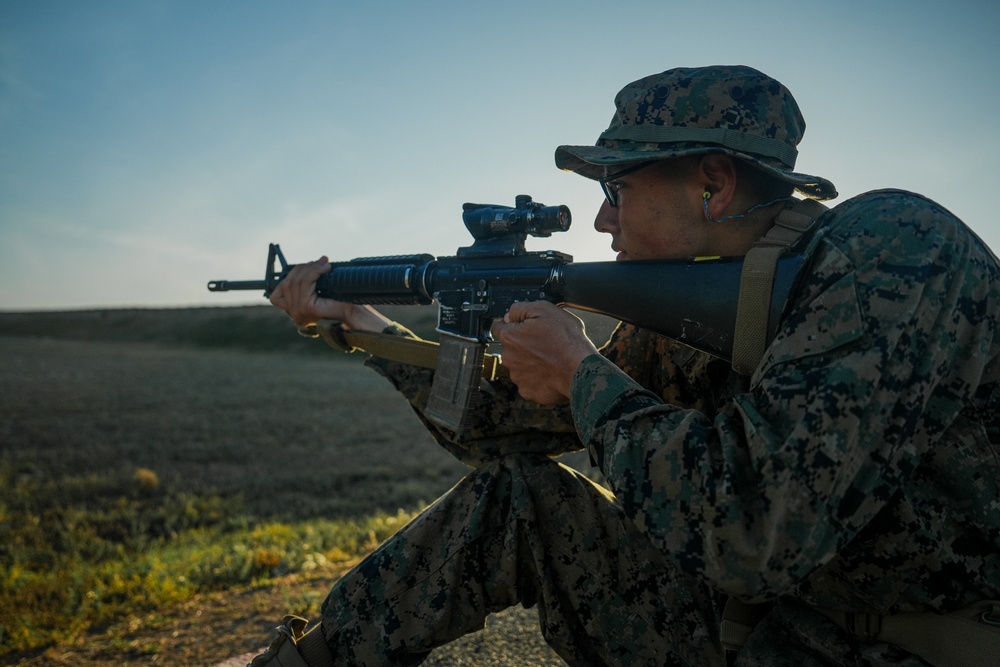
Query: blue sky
148, 147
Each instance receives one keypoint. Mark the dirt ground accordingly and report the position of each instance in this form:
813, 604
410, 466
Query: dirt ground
226, 629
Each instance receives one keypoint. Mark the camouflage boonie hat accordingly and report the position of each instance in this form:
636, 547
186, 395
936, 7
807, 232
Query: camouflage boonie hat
734, 110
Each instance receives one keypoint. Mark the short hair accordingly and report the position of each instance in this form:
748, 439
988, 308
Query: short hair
759, 186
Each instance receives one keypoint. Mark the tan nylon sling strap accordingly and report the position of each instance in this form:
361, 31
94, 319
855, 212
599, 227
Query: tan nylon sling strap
413, 351
757, 280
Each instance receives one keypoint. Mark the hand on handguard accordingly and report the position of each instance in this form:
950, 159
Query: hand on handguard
296, 295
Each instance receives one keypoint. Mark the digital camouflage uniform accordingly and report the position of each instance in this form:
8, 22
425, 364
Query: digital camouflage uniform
857, 469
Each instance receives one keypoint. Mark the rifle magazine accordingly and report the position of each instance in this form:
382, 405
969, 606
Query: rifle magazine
456, 382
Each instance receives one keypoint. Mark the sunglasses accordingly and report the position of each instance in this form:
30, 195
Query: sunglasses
610, 185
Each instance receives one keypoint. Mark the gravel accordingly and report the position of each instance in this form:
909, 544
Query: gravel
510, 639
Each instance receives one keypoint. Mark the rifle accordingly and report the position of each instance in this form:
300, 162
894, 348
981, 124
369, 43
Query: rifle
692, 301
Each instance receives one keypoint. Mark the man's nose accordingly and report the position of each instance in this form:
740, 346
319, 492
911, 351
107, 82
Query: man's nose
606, 220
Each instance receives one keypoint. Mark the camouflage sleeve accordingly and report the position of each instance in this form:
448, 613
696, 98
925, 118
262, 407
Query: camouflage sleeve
888, 337
504, 422
501, 422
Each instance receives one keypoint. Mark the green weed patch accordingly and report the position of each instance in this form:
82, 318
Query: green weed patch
97, 550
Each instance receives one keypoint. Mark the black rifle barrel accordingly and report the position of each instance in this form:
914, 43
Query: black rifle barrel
231, 285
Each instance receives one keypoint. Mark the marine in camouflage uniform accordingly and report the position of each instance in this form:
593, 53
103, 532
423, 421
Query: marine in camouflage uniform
856, 470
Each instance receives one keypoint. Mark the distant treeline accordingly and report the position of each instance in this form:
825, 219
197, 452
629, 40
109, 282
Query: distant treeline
252, 328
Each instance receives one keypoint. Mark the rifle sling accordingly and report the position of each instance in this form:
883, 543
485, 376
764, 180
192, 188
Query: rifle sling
757, 280
393, 347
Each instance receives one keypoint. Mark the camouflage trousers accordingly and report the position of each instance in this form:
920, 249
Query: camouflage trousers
523, 529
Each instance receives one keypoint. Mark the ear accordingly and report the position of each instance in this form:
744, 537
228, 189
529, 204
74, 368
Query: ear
718, 172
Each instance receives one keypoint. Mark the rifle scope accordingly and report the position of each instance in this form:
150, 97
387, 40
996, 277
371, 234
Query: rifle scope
488, 221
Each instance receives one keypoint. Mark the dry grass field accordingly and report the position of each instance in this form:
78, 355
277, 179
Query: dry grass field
172, 482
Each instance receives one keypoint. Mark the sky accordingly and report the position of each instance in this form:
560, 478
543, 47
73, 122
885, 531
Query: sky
149, 147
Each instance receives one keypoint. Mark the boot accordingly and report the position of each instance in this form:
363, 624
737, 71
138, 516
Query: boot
294, 647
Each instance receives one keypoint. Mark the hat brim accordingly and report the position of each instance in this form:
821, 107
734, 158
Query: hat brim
593, 162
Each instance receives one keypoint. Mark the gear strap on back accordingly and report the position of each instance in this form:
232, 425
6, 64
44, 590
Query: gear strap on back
757, 281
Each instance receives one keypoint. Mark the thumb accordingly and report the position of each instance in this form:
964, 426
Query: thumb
520, 311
